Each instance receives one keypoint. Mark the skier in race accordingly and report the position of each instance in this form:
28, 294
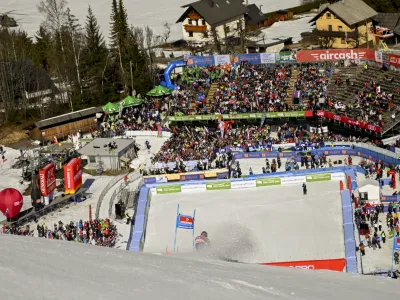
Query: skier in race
202, 241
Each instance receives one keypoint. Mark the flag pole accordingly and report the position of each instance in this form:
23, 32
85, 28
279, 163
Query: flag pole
194, 219
176, 227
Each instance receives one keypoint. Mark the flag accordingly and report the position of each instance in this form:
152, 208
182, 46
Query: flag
185, 222
206, 130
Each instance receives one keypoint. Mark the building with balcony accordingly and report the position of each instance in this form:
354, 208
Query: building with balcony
386, 28
344, 24
226, 17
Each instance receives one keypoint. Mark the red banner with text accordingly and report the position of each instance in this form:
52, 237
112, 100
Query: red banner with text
349, 121
47, 177
394, 60
337, 54
327, 264
73, 176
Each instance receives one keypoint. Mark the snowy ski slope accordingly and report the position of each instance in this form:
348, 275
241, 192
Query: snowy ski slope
269, 224
41, 269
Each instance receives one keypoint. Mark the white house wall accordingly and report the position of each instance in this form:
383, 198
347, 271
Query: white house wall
198, 37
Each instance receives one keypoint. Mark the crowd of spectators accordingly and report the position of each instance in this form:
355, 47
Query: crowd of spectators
97, 232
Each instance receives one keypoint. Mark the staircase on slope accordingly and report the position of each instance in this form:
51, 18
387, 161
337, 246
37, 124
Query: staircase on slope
210, 95
290, 91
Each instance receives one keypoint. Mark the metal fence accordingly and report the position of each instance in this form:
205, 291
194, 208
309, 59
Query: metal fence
122, 192
105, 191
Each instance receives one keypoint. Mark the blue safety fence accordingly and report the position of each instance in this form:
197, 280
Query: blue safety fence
348, 230
139, 234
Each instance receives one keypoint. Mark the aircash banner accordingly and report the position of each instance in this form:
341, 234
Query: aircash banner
270, 115
200, 61
337, 54
349, 121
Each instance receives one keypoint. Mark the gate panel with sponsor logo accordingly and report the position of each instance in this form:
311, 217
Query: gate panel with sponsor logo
327, 264
73, 176
47, 177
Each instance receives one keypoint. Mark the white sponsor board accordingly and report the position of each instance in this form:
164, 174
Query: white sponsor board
293, 180
337, 176
222, 59
153, 191
132, 133
267, 58
193, 187
243, 184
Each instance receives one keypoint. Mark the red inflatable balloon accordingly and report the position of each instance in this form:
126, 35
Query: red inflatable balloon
11, 202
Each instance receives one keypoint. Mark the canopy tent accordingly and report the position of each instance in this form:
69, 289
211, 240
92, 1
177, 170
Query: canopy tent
110, 108
159, 91
130, 101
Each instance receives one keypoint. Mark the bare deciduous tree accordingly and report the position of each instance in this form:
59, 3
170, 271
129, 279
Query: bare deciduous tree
167, 32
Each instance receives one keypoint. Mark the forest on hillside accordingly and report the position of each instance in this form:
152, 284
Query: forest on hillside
72, 61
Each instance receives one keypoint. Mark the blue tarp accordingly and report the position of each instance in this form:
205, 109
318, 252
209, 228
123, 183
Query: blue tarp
348, 230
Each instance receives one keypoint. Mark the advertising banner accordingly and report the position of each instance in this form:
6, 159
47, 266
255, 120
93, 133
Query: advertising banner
200, 61
222, 185
286, 57
73, 176
193, 187
378, 56
337, 176
222, 60
293, 180
156, 179
349, 121
251, 58
269, 115
189, 177
168, 189
268, 181
335, 54
47, 177
328, 264
243, 184
318, 177
394, 60
185, 222
267, 58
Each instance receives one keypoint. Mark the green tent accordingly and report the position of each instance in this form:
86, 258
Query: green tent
110, 108
159, 91
130, 101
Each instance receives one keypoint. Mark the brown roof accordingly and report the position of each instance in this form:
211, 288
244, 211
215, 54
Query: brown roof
388, 20
349, 11
215, 11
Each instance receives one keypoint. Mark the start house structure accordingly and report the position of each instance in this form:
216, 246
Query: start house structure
226, 18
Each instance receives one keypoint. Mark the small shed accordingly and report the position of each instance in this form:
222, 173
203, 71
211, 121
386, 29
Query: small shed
108, 153
369, 191
64, 125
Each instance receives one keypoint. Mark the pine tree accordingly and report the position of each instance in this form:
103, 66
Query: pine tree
42, 48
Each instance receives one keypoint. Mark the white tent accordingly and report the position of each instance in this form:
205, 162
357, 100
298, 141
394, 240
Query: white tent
369, 189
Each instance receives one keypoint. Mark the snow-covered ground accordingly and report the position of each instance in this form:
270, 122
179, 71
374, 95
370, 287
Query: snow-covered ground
140, 13
255, 224
283, 30
40, 269
256, 164
77, 211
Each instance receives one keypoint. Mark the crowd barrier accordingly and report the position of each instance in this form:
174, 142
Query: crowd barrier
348, 229
139, 233
211, 174
134, 133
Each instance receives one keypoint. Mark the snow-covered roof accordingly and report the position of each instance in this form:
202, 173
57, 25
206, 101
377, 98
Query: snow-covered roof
368, 182
96, 147
34, 268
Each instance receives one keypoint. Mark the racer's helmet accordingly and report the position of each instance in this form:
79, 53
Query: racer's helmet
204, 233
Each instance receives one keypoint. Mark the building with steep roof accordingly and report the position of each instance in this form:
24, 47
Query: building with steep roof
344, 24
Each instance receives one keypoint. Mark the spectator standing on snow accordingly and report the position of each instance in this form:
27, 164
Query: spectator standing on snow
380, 225
362, 249
383, 235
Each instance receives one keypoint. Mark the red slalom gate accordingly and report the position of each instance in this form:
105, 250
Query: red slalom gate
341, 185
327, 264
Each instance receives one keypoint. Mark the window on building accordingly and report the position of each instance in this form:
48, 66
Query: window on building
330, 27
196, 22
92, 159
227, 29
328, 15
205, 34
190, 21
343, 41
203, 22
190, 33
340, 28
